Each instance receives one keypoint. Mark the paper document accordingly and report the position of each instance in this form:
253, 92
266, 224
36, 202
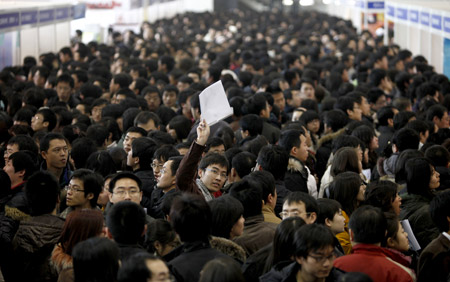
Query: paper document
413, 244
214, 104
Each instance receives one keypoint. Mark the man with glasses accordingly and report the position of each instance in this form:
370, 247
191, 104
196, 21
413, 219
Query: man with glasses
212, 170
55, 152
82, 191
302, 205
313, 257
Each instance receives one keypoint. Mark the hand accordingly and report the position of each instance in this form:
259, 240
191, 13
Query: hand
202, 133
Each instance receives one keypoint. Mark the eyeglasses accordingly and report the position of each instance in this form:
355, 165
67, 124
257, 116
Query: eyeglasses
155, 166
217, 173
168, 278
72, 189
293, 213
131, 192
322, 259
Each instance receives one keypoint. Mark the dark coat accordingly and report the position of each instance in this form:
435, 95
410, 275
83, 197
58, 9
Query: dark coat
187, 265
444, 177
254, 266
282, 193
434, 261
386, 134
148, 185
415, 208
32, 248
296, 177
272, 133
257, 234
156, 200
287, 272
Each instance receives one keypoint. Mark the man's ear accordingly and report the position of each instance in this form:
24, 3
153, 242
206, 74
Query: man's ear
390, 122
200, 172
108, 234
45, 124
294, 151
21, 173
136, 160
90, 196
352, 236
327, 222
44, 155
144, 231
313, 217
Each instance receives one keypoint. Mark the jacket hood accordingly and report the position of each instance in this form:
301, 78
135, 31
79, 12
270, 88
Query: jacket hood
330, 137
228, 247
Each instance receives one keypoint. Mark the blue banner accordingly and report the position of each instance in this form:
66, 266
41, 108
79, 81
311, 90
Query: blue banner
46, 16
78, 11
391, 11
28, 17
425, 18
446, 24
9, 20
414, 16
402, 13
436, 22
62, 13
379, 5
447, 57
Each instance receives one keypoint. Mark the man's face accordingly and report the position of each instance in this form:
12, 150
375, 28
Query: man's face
126, 189
317, 264
186, 108
302, 151
365, 106
214, 177
170, 99
38, 80
10, 170
444, 121
131, 161
158, 270
356, 113
153, 100
76, 196
381, 102
57, 154
149, 126
10, 149
296, 209
337, 225
307, 91
166, 178
129, 138
278, 99
37, 123
96, 112
63, 90
157, 166
113, 87
218, 149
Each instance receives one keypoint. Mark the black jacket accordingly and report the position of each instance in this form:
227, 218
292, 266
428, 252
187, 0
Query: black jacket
194, 255
287, 272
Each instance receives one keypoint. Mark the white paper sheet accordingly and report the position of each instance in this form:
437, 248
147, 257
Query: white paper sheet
413, 244
214, 104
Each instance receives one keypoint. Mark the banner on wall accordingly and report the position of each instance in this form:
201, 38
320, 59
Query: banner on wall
447, 57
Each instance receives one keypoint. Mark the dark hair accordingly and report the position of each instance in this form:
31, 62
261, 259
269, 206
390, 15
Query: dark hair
419, 126
92, 182
182, 126
406, 138
95, 260
45, 141
102, 163
381, 194
160, 231
24, 160
144, 148
255, 105
439, 210
418, 176
335, 119
49, 116
225, 211
345, 159
344, 189
345, 103
328, 208
436, 111
135, 269
283, 241
438, 155
191, 218
243, 163
384, 114
90, 90
126, 222
375, 77
42, 192
249, 193
310, 238
145, 116
400, 170
290, 138
274, 159
80, 225
221, 270
213, 158
82, 149
368, 225
213, 142
123, 79
97, 133
65, 78
121, 175
309, 202
402, 118
266, 181
344, 140
253, 123
392, 222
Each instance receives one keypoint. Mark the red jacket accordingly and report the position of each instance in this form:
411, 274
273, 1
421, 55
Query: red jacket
371, 260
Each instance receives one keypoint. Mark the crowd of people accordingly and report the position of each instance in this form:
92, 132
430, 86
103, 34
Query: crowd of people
333, 167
